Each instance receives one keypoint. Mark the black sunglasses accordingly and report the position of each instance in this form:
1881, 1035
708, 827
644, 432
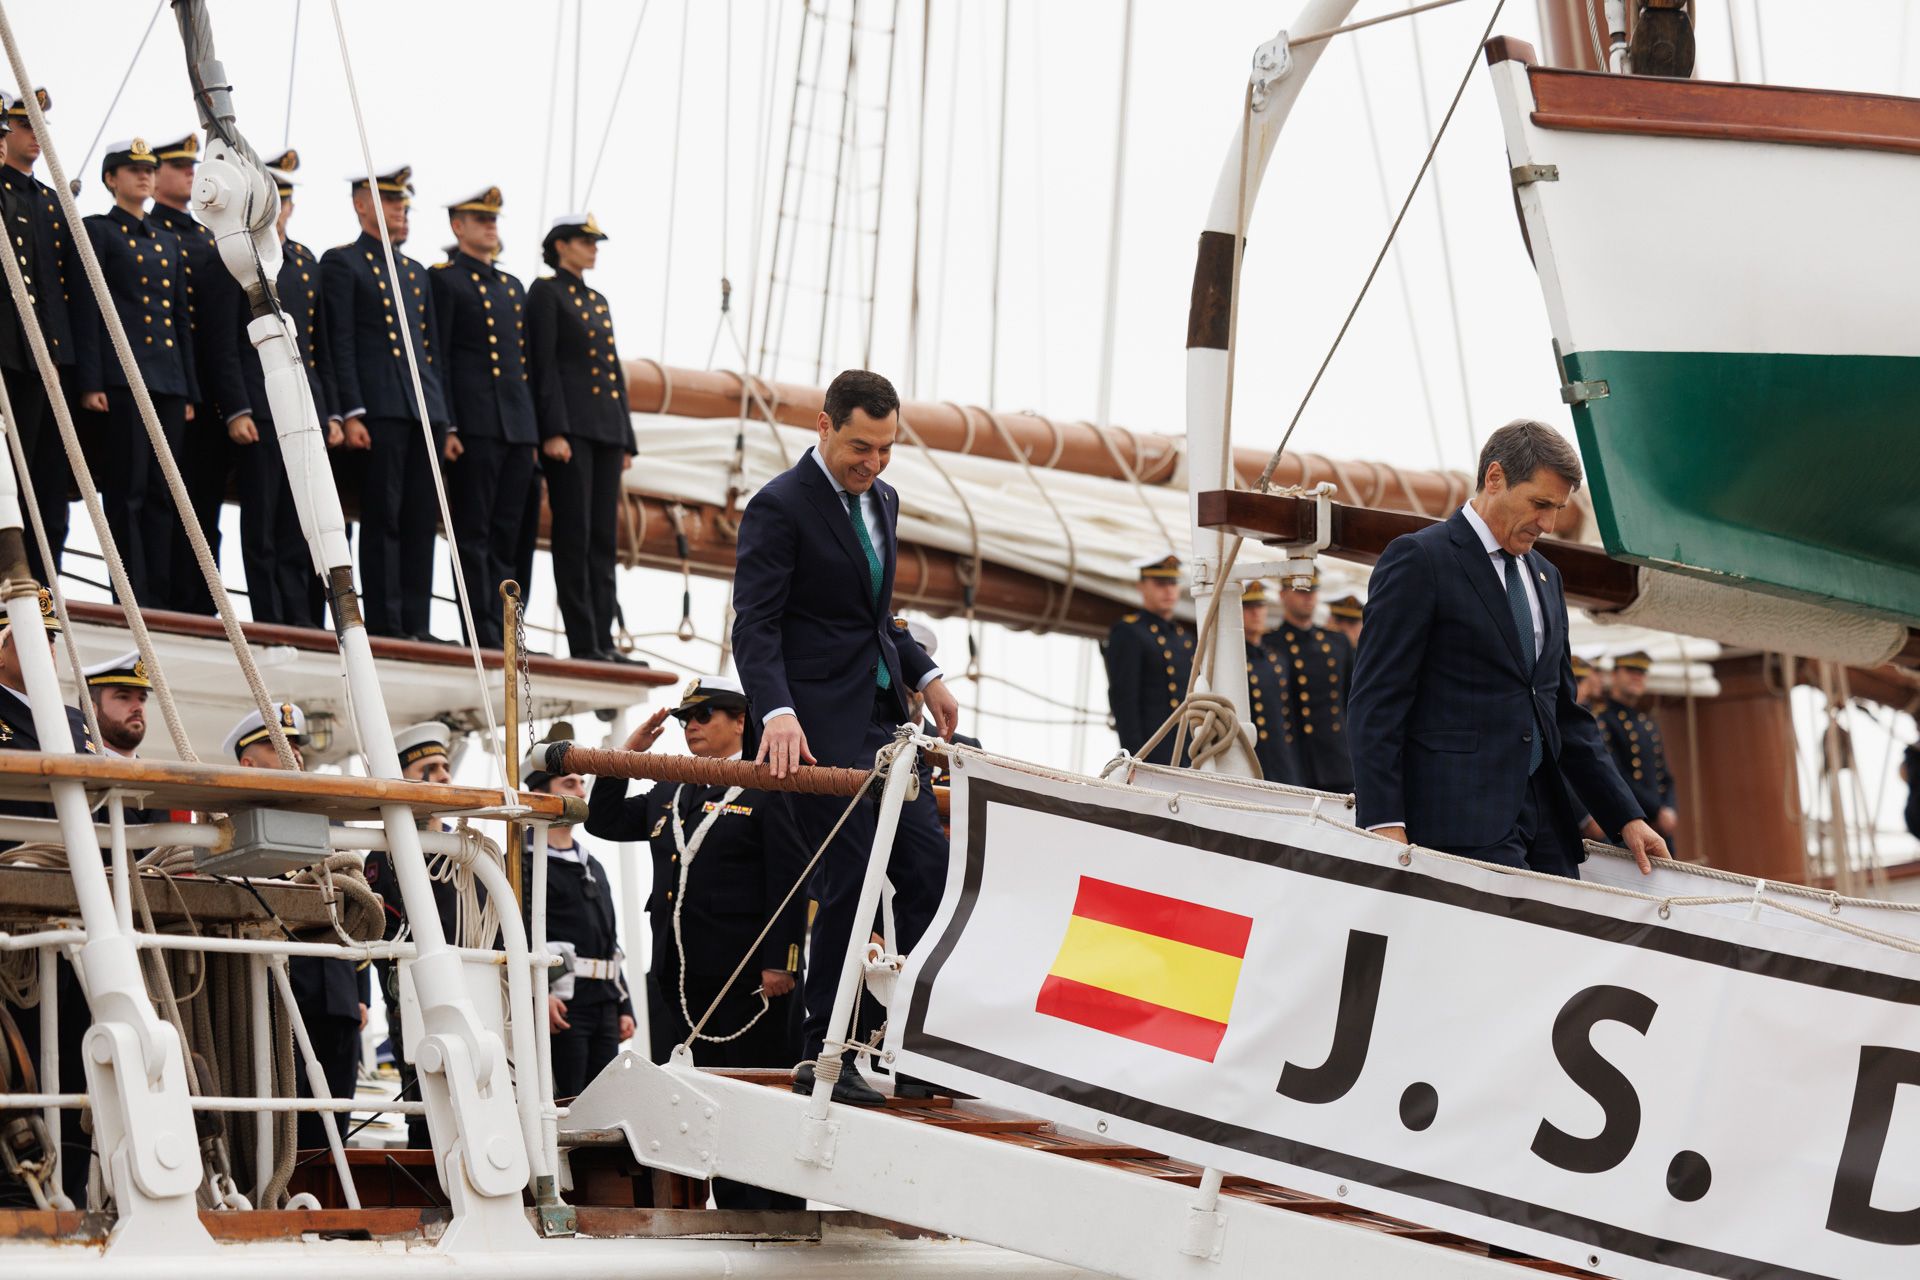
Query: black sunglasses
700, 714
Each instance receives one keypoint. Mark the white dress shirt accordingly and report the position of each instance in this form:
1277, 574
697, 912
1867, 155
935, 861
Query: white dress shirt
876, 533
1499, 564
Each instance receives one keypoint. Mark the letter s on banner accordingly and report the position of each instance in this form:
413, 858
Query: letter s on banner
1600, 1078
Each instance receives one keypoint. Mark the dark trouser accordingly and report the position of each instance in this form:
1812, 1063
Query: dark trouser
46, 464
76, 1146
591, 1039
205, 464
918, 871
1540, 839
398, 515
770, 1042
139, 508
584, 495
280, 573
529, 534
336, 1043
487, 494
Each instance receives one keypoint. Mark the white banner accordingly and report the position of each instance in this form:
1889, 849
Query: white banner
1578, 1074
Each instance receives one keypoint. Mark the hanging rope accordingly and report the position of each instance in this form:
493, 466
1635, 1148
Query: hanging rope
553, 109
293, 65
125, 76
999, 206
673, 177
613, 111
1446, 244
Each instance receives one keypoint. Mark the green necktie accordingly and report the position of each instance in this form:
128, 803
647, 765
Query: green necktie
882, 679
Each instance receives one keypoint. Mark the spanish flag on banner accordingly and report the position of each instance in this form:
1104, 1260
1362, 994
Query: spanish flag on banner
1146, 967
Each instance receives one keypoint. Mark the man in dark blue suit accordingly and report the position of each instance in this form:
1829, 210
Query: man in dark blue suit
812, 595
1462, 720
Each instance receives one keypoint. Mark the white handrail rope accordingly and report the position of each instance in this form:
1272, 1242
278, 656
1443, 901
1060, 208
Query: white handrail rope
156, 435
30, 509
426, 426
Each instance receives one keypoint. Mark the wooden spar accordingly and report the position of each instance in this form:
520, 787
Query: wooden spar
1067, 446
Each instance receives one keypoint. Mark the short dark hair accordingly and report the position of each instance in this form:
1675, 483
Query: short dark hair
1524, 446
860, 389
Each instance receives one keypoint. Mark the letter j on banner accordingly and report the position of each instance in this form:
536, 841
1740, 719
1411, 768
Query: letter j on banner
1156, 970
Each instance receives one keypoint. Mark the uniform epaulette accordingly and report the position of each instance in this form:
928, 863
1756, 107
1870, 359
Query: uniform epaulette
439, 266
1130, 617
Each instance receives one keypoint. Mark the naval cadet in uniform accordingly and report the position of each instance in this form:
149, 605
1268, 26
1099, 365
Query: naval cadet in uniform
280, 576
119, 688
1268, 698
17, 732
1322, 670
367, 318
1588, 685
57, 289
589, 1006
212, 295
493, 435
142, 263
1149, 660
586, 437
1633, 737
1346, 615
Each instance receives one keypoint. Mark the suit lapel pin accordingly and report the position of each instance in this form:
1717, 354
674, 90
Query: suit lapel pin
1543, 577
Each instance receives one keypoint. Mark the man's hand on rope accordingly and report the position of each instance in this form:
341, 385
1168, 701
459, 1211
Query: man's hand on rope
94, 401
1645, 844
243, 430
452, 449
776, 982
943, 707
557, 448
356, 434
643, 738
557, 1014
784, 745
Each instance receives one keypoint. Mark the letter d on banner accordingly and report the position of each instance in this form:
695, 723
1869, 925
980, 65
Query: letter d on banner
1882, 1072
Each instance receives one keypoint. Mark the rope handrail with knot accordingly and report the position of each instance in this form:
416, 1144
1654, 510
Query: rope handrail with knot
811, 780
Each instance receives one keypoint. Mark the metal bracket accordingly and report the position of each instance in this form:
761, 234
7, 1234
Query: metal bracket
818, 1142
1205, 1233
1577, 393
1300, 558
1272, 63
556, 1216
1524, 174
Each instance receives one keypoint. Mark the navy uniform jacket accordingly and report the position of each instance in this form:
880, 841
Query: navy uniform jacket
742, 870
364, 328
1149, 662
1322, 661
1633, 738
50, 261
1269, 699
807, 631
17, 734
298, 285
212, 294
142, 264
332, 987
1442, 715
481, 310
580, 911
578, 388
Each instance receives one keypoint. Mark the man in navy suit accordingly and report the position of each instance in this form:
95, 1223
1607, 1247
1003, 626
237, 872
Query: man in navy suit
813, 640
1462, 719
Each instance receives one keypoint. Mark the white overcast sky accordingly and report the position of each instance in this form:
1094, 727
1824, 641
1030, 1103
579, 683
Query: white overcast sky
462, 92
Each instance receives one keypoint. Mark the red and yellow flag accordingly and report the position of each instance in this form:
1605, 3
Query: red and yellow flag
1149, 968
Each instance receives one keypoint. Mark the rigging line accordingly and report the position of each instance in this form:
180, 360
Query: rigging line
1266, 475
1103, 397
843, 146
1314, 37
919, 200
1733, 39
1593, 32
673, 176
293, 63
1037, 135
1399, 266
132, 62
880, 182
779, 292
573, 142
1446, 242
426, 426
1759, 42
762, 156
999, 207
619, 88
726, 157
946, 204
553, 111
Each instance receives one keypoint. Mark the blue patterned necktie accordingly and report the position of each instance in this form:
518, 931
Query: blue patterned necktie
883, 679
1523, 625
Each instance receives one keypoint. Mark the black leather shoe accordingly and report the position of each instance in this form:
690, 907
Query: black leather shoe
851, 1088
906, 1086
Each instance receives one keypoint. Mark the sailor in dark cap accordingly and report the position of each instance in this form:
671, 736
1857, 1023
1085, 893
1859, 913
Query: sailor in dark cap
1633, 736
1149, 657
1588, 685
1346, 614
1268, 700
722, 865
586, 438
120, 688
16, 716
483, 339
1322, 668
367, 317
589, 1008
212, 295
143, 264
50, 267
280, 577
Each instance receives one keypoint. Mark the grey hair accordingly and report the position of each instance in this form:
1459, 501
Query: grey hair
1524, 446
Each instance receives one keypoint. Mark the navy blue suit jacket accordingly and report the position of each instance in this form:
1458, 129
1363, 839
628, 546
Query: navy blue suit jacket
1440, 716
807, 631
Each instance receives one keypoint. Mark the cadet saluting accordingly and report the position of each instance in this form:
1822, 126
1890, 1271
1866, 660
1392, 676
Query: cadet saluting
142, 264
280, 575
1322, 670
1149, 657
586, 439
367, 317
483, 348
